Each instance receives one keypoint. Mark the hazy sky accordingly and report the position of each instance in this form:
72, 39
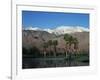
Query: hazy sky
54, 19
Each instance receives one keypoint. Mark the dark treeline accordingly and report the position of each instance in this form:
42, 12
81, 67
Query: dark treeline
32, 52
36, 53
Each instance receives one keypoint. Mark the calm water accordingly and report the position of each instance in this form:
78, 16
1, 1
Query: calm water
50, 62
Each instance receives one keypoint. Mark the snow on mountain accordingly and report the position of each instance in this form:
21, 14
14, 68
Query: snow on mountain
68, 29
61, 29
32, 28
49, 30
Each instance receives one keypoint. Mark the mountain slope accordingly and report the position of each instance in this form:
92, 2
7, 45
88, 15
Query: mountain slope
32, 38
61, 29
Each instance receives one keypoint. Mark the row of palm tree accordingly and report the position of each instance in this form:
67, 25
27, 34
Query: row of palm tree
70, 40
49, 44
71, 46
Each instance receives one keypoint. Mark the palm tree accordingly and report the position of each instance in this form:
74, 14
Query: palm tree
45, 45
76, 44
69, 41
50, 44
55, 43
66, 38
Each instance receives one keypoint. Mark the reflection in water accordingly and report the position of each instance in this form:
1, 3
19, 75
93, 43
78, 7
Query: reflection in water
50, 62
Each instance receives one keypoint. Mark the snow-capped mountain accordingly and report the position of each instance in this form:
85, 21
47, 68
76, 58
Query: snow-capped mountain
67, 29
32, 28
61, 29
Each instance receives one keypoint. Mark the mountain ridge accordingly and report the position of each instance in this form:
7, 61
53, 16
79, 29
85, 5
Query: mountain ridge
32, 38
60, 30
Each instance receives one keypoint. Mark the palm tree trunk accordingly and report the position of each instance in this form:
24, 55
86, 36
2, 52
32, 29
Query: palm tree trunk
69, 57
44, 56
50, 50
55, 54
66, 55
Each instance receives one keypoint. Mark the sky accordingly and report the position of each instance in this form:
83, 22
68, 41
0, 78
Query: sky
54, 19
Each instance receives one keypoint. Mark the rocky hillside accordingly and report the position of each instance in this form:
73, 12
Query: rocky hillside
32, 38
